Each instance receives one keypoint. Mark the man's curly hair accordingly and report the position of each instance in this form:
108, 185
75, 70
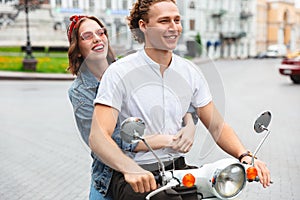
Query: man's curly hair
139, 11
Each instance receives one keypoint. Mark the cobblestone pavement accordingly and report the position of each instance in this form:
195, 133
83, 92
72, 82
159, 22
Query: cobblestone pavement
42, 156
253, 86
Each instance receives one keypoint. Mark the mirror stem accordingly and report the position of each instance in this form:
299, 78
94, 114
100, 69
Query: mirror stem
162, 166
259, 146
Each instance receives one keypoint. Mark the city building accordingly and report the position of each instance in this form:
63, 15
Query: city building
214, 28
283, 24
261, 19
225, 26
112, 12
241, 28
277, 23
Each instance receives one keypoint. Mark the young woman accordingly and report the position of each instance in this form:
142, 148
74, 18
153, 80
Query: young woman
89, 56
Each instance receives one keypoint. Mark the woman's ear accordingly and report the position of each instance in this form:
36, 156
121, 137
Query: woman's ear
142, 25
79, 55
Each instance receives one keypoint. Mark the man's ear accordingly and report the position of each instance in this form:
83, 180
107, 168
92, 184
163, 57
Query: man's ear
142, 25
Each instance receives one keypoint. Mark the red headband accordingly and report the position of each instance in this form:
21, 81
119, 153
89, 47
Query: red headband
74, 19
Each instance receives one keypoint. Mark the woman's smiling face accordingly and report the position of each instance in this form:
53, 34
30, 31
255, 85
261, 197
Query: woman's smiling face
95, 47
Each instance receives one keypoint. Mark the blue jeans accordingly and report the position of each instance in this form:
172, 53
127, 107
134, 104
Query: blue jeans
96, 195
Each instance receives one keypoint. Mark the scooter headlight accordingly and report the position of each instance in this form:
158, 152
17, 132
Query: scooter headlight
230, 181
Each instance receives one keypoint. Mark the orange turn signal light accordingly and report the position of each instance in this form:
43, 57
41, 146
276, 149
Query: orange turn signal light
251, 173
188, 180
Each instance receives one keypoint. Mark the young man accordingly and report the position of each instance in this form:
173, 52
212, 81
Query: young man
157, 86
89, 56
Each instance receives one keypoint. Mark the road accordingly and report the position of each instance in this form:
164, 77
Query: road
42, 155
246, 89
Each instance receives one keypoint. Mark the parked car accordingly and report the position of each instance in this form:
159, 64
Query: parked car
261, 55
276, 51
291, 67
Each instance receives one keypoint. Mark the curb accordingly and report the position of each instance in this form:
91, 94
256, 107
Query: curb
9, 75
5, 75
202, 60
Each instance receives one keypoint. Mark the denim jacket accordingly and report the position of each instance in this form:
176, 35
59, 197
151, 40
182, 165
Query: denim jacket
81, 94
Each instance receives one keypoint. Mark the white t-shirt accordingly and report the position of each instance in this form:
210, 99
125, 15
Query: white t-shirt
135, 87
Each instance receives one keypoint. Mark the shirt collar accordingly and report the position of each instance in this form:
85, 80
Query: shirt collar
148, 60
152, 62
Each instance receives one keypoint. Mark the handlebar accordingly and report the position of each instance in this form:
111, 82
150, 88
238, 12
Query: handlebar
171, 184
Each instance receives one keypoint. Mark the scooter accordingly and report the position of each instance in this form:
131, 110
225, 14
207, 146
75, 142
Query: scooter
223, 179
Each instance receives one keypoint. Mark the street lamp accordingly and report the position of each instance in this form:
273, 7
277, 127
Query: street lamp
29, 62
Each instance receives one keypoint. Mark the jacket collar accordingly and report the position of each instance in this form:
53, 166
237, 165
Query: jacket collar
88, 79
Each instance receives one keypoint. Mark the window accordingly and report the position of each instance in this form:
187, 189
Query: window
192, 24
75, 4
92, 4
108, 4
124, 5
215, 26
58, 3
208, 4
8, 1
192, 5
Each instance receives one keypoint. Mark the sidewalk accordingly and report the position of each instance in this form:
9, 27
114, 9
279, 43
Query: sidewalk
8, 75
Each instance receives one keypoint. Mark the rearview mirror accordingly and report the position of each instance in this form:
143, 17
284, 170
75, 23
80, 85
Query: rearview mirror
132, 129
262, 122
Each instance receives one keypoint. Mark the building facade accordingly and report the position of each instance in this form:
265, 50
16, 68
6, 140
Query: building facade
241, 28
112, 12
277, 22
227, 28
261, 19
283, 24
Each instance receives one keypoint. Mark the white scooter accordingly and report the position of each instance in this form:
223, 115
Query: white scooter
223, 179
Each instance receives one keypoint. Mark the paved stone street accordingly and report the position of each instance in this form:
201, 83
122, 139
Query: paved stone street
251, 87
43, 158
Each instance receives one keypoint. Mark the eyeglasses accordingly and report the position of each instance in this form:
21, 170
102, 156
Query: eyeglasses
74, 19
88, 35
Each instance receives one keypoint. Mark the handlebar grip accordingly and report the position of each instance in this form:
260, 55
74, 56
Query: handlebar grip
158, 179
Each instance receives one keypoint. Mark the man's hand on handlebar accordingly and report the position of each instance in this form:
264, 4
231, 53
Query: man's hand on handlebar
142, 181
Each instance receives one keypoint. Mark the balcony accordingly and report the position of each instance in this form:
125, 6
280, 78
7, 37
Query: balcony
245, 15
232, 35
218, 14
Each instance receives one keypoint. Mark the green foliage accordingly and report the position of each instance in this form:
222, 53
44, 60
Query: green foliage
52, 64
11, 59
198, 39
9, 49
199, 46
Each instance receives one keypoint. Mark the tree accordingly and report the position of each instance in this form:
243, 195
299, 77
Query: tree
199, 43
